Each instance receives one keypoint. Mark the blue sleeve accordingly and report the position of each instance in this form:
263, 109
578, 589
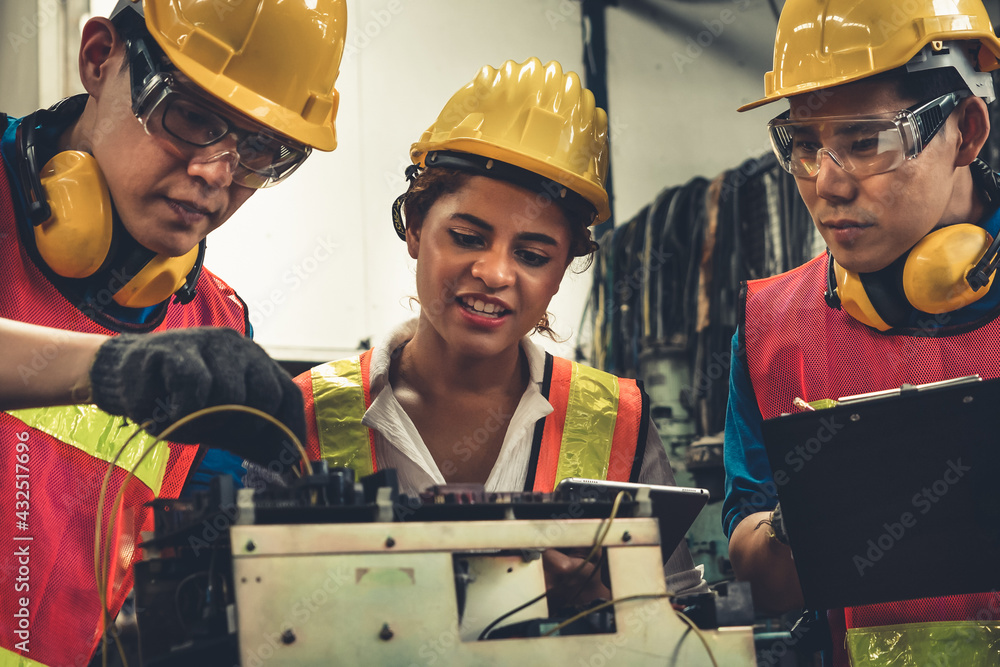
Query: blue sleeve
749, 485
220, 461
216, 462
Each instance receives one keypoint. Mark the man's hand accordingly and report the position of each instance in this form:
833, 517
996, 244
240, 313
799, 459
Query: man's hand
162, 377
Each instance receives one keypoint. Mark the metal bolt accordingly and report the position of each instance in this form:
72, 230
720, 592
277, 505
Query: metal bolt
250, 545
287, 637
386, 633
967, 399
855, 417
627, 537
390, 543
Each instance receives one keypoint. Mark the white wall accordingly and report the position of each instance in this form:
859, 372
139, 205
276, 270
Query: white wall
404, 59
671, 119
316, 258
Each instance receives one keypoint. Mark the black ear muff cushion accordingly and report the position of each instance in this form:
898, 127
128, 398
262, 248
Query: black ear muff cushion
884, 289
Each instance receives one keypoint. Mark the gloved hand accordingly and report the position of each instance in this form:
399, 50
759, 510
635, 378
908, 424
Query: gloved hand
778, 525
165, 376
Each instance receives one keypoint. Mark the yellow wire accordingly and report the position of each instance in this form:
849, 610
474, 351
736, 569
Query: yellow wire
102, 566
602, 534
698, 632
647, 596
101, 589
607, 529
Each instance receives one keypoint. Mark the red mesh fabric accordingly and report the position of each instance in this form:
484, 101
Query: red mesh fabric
798, 346
178, 465
64, 480
62, 499
977, 607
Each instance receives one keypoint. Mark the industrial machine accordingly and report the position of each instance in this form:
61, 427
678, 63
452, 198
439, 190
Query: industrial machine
329, 570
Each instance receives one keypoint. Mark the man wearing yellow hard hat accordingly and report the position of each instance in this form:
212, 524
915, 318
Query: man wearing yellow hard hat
504, 187
887, 115
106, 200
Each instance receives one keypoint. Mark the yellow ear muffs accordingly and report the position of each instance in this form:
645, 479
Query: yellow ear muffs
854, 298
932, 277
935, 276
76, 239
76, 232
157, 280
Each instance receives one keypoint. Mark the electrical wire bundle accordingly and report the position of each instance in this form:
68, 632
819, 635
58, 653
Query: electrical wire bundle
103, 548
667, 282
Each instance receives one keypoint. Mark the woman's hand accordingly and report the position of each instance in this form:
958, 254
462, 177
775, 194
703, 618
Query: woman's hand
570, 580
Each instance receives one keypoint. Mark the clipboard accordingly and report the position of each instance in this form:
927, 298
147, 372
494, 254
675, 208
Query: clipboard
893, 495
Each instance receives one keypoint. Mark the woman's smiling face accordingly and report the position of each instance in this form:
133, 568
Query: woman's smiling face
490, 256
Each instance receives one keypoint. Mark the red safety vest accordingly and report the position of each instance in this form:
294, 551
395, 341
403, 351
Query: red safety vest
797, 346
597, 429
54, 461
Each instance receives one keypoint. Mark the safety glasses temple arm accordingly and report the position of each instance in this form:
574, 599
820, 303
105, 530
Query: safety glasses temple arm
927, 119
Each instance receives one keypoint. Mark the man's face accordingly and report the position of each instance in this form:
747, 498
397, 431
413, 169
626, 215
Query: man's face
868, 222
169, 198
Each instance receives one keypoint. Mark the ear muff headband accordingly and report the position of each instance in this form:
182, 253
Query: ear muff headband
75, 231
946, 270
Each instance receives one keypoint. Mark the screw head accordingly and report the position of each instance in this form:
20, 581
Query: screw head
389, 542
287, 637
250, 545
385, 634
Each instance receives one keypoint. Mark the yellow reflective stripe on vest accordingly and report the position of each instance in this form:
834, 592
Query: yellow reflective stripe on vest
340, 406
931, 643
589, 429
100, 435
11, 659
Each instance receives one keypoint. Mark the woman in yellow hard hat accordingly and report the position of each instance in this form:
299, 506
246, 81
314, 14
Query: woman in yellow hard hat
504, 187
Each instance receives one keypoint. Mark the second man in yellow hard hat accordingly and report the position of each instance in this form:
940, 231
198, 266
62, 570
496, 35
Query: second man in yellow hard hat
887, 116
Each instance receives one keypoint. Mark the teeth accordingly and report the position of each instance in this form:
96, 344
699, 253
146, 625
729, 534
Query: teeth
482, 307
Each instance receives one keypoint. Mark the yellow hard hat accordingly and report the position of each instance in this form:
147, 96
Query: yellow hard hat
532, 116
820, 44
276, 61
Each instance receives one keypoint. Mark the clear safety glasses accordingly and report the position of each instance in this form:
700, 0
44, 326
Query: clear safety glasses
170, 110
860, 145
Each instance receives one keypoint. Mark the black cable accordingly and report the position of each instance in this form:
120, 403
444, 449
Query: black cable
486, 631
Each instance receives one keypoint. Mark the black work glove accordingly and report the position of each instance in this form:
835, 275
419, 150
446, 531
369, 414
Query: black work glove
165, 376
778, 525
